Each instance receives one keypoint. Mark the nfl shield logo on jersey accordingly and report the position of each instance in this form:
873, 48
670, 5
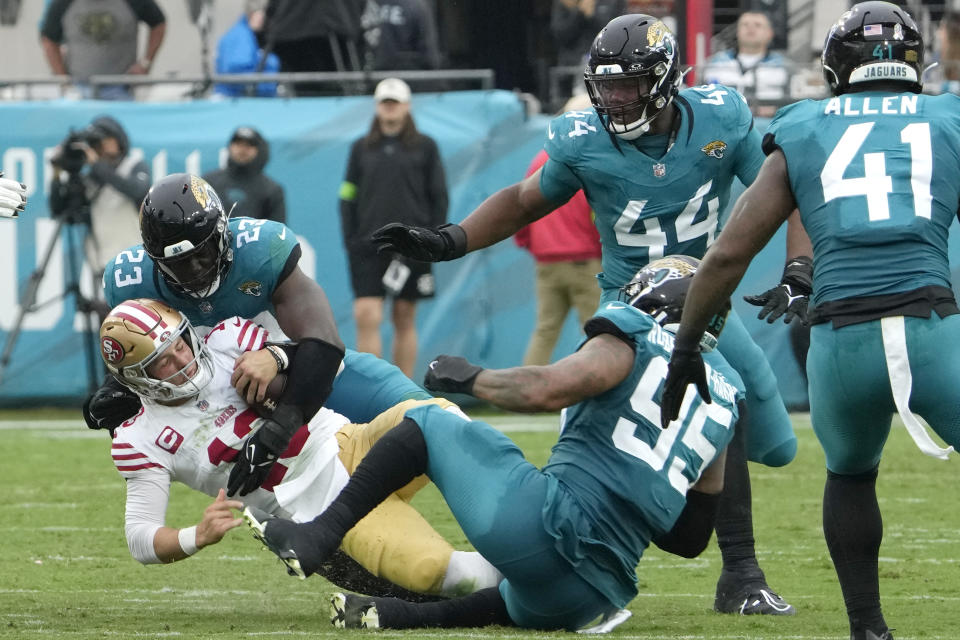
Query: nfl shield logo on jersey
659, 170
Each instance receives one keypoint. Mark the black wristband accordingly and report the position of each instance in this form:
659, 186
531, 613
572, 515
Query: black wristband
454, 240
280, 364
798, 273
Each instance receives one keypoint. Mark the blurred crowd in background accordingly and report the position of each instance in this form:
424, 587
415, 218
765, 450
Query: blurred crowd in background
175, 48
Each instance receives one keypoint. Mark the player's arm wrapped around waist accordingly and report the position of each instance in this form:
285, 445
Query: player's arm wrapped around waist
313, 365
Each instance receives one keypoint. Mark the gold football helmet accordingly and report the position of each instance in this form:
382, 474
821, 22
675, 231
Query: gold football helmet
136, 333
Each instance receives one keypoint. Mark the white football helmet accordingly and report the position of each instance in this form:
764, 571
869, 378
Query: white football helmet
137, 332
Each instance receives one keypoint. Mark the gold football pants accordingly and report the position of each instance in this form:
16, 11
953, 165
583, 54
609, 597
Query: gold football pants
394, 541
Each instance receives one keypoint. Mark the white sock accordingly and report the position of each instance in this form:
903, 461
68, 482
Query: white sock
467, 572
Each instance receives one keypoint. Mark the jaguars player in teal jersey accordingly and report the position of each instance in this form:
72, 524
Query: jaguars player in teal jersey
567, 538
656, 164
210, 267
875, 174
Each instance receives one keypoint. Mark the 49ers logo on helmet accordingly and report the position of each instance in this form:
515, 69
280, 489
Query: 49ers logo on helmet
112, 351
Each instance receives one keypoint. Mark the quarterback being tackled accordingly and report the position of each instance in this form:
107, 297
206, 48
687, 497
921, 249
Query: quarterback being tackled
191, 427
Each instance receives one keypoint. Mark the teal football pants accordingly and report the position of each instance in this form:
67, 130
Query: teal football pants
851, 403
497, 497
367, 386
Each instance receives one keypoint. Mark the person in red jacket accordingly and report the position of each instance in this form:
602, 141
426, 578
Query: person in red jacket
566, 246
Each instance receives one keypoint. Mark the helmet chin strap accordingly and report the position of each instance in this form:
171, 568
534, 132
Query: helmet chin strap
633, 134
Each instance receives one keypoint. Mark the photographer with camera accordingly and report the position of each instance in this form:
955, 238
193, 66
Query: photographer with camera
96, 182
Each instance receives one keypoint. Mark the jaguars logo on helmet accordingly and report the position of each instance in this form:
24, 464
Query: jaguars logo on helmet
660, 289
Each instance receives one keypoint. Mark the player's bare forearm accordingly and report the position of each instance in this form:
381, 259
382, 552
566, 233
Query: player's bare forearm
218, 518
601, 364
798, 242
506, 212
524, 389
166, 544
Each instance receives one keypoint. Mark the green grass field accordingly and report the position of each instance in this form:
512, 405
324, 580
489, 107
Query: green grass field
66, 571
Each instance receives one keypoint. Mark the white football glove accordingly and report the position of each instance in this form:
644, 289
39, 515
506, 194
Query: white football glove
13, 197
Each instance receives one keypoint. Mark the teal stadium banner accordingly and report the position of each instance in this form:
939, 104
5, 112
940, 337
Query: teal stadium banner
485, 305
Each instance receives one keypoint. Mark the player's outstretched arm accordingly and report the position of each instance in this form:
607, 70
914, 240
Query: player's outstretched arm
172, 544
498, 217
601, 364
506, 212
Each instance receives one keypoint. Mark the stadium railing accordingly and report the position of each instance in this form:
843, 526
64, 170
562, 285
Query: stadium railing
199, 86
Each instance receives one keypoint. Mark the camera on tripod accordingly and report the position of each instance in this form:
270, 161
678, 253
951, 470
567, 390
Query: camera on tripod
71, 202
72, 155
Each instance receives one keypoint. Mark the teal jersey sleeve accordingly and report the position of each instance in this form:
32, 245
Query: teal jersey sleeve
129, 275
559, 179
749, 153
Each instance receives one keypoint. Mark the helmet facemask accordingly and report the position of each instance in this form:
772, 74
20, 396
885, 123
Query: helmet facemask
133, 338
196, 271
628, 102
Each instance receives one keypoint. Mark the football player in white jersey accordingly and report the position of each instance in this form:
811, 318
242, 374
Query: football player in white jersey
191, 427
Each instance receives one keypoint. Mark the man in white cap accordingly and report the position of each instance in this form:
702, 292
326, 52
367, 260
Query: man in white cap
394, 172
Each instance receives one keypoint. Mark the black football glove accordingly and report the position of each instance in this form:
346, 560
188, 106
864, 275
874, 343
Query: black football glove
686, 367
791, 297
451, 374
261, 449
110, 405
252, 466
446, 242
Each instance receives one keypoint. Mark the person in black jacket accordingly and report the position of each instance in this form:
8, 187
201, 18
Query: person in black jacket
400, 34
394, 174
315, 36
243, 186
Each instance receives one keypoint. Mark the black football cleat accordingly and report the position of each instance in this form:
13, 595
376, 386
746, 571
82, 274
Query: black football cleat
299, 546
349, 611
746, 597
